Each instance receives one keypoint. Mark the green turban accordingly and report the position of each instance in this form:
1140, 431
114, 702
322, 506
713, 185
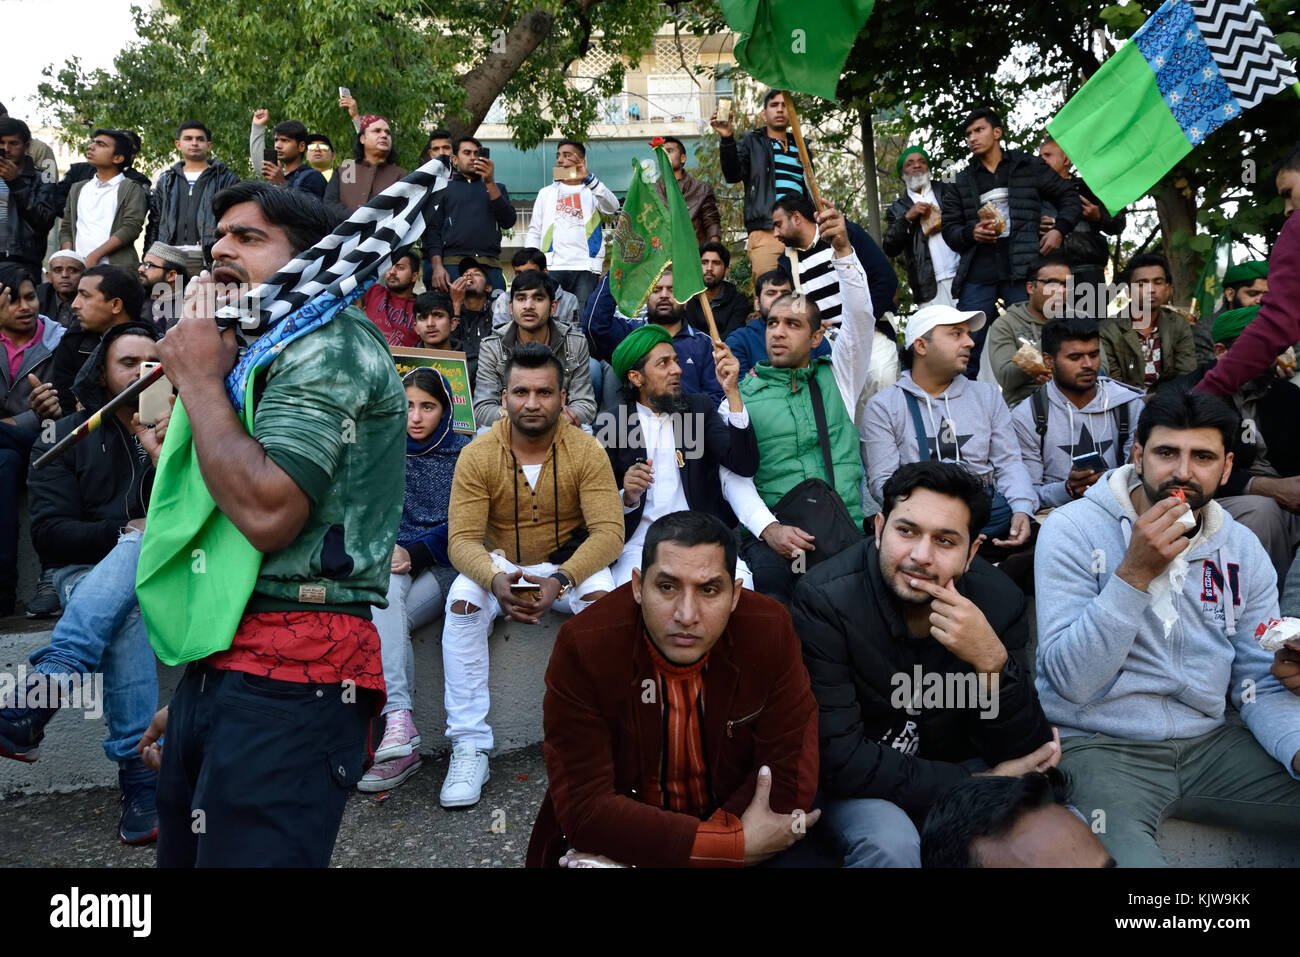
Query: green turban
1230, 324
1245, 273
636, 344
908, 152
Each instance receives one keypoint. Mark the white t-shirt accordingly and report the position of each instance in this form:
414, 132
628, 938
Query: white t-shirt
96, 207
944, 259
531, 472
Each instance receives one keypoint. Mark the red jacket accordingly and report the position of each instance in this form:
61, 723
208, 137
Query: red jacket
1277, 325
603, 731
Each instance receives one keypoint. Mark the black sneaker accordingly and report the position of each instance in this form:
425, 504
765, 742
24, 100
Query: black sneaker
139, 823
45, 604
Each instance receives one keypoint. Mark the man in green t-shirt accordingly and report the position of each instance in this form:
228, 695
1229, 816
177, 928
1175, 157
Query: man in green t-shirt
267, 737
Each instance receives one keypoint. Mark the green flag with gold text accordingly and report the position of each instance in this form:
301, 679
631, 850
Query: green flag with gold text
649, 235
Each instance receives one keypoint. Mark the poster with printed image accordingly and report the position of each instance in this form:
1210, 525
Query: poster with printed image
455, 368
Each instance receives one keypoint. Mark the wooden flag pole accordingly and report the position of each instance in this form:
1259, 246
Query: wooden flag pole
703, 297
797, 130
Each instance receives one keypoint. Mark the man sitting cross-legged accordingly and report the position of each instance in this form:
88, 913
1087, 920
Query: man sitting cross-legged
538, 489
916, 651
679, 728
1149, 631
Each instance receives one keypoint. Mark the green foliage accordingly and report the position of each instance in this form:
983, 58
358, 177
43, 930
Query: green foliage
217, 62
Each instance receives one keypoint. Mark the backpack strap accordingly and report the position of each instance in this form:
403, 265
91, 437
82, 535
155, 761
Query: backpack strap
1038, 403
823, 431
922, 441
1120, 412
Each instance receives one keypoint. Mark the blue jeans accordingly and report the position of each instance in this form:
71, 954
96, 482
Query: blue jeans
101, 631
496, 279
869, 832
984, 298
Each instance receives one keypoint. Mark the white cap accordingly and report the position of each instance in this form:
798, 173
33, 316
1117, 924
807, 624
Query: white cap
925, 319
68, 254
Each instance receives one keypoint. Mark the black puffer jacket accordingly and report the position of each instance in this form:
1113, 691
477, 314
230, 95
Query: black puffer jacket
857, 647
749, 160
79, 501
1032, 183
906, 236
165, 202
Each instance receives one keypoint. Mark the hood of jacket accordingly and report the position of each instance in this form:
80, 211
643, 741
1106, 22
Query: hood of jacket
437, 442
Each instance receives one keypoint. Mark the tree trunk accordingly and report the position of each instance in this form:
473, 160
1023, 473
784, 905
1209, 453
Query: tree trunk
507, 54
869, 171
1178, 212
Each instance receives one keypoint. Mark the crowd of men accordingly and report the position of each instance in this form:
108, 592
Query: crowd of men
797, 536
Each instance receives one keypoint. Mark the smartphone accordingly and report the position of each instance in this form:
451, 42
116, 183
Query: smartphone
155, 401
270, 156
1091, 462
724, 109
528, 591
484, 153
343, 91
567, 174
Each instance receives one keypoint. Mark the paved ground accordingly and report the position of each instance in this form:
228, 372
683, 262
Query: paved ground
406, 829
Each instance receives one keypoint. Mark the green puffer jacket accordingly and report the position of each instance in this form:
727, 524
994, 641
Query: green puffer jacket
780, 408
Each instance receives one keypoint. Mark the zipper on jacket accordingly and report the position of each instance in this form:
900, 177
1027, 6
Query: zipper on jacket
736, 722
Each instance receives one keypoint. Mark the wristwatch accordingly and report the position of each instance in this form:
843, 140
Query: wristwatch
566, 583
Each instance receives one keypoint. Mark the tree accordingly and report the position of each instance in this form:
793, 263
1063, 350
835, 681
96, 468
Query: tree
418, 62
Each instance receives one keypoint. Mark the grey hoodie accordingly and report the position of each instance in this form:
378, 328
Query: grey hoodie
973, 426
1105, 664
1072, 431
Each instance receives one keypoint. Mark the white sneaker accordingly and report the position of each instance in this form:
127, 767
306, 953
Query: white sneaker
466, 776
400, 737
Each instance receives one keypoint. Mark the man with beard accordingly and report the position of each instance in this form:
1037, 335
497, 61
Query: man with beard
532, 301
666, 446
730, 310
914, 231
700, 201
796, 226
164, 272
533, 501
1156, 592
55, 295
391, 304
606, 328
1244, 285
882, 622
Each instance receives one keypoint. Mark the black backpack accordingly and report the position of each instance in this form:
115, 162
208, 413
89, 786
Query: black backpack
1038, 403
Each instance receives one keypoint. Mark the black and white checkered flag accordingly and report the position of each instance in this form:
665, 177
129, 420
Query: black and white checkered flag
1244, 49
360, 247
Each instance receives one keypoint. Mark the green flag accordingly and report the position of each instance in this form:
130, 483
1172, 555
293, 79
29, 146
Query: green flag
1209, 288
651, 235
796, 46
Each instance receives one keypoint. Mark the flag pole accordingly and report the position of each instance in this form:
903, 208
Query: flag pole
703, 297
797, 130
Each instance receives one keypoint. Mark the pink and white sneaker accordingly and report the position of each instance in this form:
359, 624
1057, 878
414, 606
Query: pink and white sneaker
400, 737
386, 775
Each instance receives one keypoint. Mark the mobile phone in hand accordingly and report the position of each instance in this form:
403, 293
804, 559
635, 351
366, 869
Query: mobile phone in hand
269, 155
1090, 462
343, 91
528, 591
484, 153
155, 401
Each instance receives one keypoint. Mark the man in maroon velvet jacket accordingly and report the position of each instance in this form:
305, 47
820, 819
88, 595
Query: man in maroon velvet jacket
680, 729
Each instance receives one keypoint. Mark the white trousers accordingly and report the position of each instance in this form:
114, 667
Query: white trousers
465, 646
